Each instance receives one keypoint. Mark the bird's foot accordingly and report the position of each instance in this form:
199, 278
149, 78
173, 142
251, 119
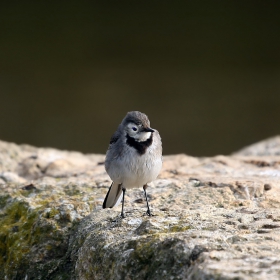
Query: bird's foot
149, 213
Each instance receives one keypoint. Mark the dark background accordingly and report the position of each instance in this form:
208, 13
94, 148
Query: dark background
207, 73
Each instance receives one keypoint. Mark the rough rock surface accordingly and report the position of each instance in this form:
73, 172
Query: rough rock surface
213, 218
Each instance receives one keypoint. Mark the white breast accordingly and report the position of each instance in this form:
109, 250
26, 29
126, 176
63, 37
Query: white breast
134, 170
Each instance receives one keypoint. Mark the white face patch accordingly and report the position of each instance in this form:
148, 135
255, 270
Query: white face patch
134, 131
142, 136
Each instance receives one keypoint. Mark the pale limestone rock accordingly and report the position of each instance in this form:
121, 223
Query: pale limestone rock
214, 218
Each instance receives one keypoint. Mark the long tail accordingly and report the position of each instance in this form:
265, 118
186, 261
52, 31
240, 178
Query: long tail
114, 196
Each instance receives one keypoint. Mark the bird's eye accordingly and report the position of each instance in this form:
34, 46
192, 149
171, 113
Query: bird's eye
134, 128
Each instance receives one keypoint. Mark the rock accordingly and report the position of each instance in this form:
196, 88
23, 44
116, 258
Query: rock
213, 218
268, 147
11, 177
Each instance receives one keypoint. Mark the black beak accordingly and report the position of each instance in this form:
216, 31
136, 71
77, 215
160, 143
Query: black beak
148, 129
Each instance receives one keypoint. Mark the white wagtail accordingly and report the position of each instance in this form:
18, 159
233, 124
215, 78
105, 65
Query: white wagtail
133, 159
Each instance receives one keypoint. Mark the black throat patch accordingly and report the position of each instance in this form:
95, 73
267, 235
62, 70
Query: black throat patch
140, 147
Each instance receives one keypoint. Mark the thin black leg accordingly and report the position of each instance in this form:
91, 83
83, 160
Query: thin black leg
122, 214
148, 208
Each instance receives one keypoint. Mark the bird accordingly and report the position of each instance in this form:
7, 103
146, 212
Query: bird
133, 158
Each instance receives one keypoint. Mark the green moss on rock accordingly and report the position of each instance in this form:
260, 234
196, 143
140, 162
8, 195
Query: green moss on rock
16, 224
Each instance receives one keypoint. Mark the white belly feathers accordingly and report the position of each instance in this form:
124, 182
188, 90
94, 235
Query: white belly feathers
132, 170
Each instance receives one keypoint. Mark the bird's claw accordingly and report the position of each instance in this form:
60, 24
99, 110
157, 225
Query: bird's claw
149, 213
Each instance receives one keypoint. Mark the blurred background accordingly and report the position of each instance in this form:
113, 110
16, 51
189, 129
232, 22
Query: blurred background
207, 73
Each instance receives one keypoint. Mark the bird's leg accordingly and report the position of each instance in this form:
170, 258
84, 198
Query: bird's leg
148, 208
122, 214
